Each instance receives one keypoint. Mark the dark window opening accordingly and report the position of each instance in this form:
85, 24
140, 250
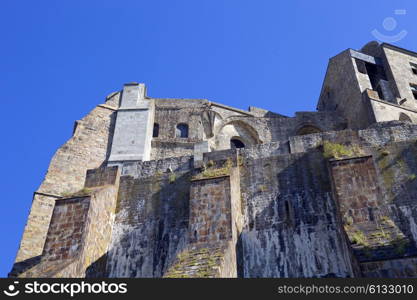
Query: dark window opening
375, 73
308, 129
287, 210
414, 68
155, 130
361, 66
182, 130
405, 118
288, 218
414, 90
371, 214
235, 144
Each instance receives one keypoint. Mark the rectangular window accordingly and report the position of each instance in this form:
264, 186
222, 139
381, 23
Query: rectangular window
361, 66
413, 68
414, 90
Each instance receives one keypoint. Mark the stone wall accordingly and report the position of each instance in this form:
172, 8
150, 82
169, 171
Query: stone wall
210, 211
151, 223
86, 149
401, 73
377, 135
134, 124
169, 213
218, 124
199, 262
99, 226
356, 174
102, 176
215, 220
256, 212
166, 149
314, 195
168, 114
291, 224
379, 216
66, 229
347, 79
396, 268
80, 230
383, 111
341, 92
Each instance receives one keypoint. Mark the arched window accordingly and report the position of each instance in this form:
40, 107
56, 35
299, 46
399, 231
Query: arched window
405, 118
236, 143
308, 129
155, 130
182, 131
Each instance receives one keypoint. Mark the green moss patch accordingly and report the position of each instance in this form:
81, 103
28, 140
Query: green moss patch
81, 193
335, 150
210, 171
196, 263
359, 238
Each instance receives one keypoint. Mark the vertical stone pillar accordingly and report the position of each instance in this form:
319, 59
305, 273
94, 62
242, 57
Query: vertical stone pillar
356, 174
210, 211
134, 123
79, 232
216, 220
199, 150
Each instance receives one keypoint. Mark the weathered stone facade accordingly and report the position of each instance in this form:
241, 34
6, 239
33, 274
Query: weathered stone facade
150, 187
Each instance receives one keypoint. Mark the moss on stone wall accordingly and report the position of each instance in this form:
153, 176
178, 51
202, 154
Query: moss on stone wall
387, 172
80, 193
359, 238
400, 245
393, 169
210, 170
196, 263
172, 178
335, 150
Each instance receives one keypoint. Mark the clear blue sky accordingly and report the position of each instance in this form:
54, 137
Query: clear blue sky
58, 59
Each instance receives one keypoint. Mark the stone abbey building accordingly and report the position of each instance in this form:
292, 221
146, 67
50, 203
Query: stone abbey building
151, 187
